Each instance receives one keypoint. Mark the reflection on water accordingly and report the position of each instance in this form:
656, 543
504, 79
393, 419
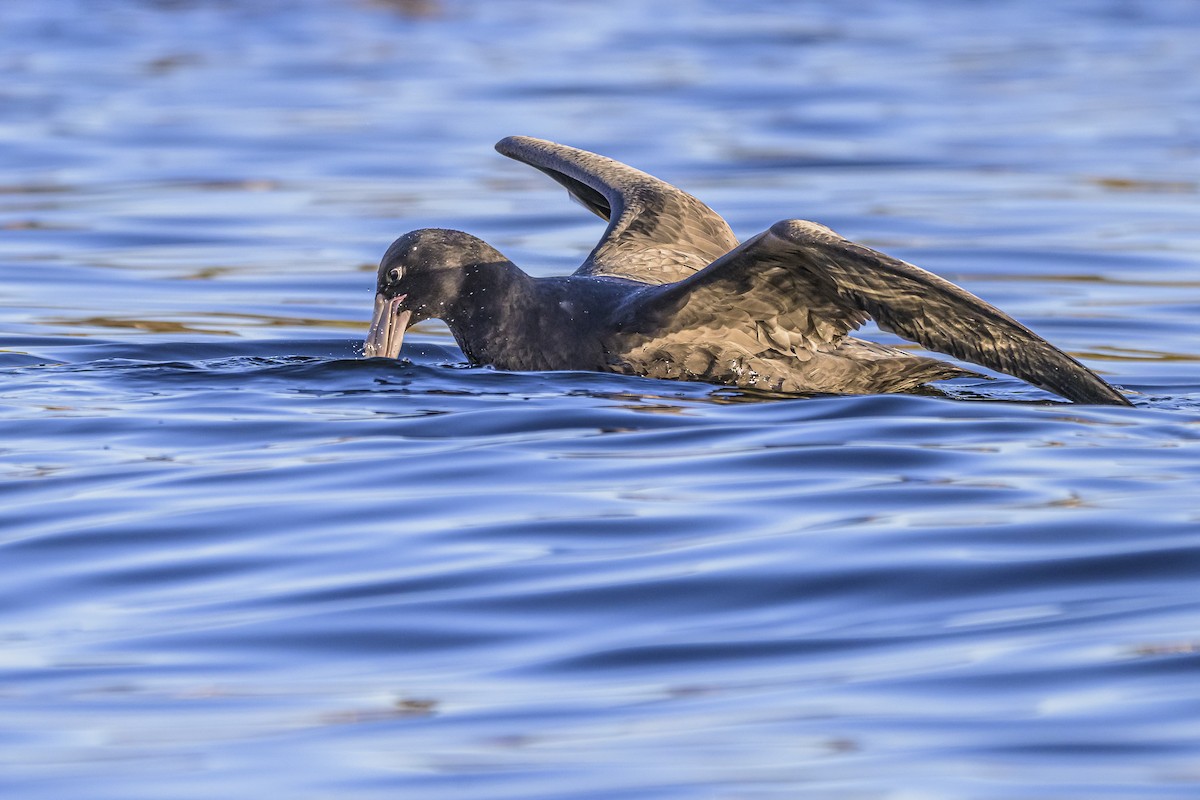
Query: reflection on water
221, 324
241, 559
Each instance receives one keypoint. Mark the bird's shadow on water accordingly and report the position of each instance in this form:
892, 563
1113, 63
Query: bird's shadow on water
435, 362
417, 376
335, 367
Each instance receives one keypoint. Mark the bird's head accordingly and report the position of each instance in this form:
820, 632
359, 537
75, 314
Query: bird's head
422, 276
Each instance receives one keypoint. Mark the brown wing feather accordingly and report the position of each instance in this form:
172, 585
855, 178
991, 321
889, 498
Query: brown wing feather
805, 287
656, 233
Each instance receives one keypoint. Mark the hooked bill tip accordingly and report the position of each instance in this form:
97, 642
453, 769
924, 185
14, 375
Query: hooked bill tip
388, 323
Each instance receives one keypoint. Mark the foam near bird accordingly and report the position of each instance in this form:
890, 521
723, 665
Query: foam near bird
668, 292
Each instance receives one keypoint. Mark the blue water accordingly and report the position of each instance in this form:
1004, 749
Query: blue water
240, 561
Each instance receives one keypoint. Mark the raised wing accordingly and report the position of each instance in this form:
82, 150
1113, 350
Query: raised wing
656, 233
802, 287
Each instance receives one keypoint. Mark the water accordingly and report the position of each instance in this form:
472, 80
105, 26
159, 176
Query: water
240, 561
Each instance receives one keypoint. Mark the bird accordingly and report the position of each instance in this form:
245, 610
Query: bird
670, 293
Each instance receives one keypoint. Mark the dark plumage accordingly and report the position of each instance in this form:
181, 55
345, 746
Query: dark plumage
669, 293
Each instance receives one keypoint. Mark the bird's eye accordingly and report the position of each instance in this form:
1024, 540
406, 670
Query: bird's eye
394, 274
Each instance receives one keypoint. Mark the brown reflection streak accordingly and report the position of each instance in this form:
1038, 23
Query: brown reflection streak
164, 65
235, 185
404, 707
1131, 354
654, 409
198, 326
1137, 185
207, 274
1106, 280
413, 9
154, 325
32, 225
34, 188
1167, 649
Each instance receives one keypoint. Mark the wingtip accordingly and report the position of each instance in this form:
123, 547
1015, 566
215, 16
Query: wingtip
511, 145
506, 145
1044, 365
1097, 392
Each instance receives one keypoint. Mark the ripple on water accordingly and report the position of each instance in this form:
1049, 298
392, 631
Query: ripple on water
241, 560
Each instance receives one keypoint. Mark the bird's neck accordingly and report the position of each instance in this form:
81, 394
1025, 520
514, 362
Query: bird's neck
492, 307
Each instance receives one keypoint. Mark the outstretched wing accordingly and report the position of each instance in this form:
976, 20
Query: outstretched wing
656, 233
802, 287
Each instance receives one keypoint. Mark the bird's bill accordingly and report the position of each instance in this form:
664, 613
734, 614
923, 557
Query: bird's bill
387, 328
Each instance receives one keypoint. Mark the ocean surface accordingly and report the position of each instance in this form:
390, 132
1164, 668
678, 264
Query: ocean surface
238, 560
